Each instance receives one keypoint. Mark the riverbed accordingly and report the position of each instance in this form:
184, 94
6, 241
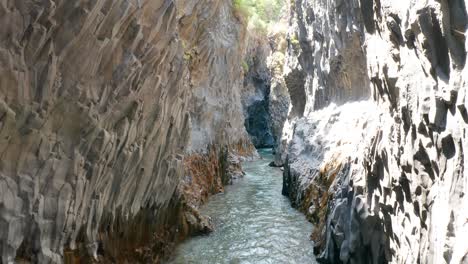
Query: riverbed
253, 223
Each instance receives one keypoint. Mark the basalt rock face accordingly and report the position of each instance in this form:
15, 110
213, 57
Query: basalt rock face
265, 98
100, 101
215, 39
279, 100
378, 128
256, 93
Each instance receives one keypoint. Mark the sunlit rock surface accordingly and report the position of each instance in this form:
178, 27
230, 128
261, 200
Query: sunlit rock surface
378, 127
100, 101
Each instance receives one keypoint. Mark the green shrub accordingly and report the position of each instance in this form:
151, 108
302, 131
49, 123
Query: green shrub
269, 10
294, 40
259, 12
242, 9
293, 4
258, 25
245, 66
187, 56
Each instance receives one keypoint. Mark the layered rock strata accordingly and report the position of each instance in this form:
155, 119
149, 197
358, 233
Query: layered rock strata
100, 103
377, 129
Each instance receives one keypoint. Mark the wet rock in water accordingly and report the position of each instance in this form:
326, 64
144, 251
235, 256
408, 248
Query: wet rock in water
273, 164
198, 224
234, 169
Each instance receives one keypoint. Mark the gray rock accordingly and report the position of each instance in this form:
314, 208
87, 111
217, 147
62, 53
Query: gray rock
100, 101
380, 142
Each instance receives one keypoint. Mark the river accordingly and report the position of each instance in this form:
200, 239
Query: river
253, 222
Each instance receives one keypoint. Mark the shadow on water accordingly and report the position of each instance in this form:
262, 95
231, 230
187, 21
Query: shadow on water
253, 222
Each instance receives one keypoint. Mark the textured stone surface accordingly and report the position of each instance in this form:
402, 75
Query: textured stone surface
256, 91
279, 100
378, 128
99, 102
264, 96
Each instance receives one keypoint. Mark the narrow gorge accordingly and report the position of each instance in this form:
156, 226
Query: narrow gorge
233, 131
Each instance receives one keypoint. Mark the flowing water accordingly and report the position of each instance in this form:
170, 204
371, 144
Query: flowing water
253, 222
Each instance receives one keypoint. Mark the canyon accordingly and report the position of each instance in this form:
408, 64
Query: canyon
119, 119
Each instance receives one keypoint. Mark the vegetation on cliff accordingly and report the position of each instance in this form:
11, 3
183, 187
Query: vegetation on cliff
259, 14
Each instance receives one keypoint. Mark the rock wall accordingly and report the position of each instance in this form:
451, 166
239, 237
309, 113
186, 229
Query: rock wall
100, 101
214, 39
264, 96
377, 129
256, 91
279, 100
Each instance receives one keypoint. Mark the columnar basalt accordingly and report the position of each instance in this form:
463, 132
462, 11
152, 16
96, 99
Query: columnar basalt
100, 101
378, 128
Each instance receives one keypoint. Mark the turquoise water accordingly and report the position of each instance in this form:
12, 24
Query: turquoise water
253, 222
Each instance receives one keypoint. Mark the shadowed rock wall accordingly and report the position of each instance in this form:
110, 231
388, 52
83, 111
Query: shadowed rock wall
264, 96
99, 103
256, 93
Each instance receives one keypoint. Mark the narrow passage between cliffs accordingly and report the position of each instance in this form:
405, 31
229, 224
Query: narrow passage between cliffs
253, 223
